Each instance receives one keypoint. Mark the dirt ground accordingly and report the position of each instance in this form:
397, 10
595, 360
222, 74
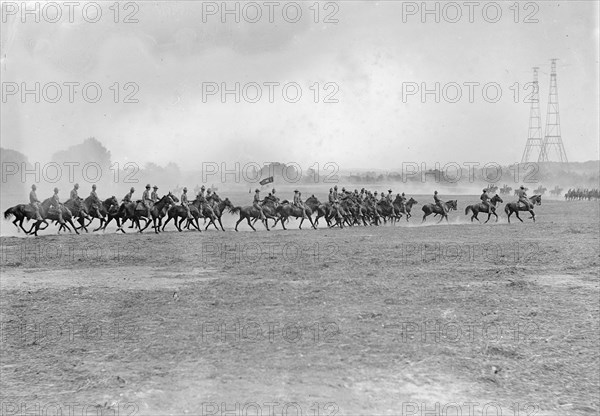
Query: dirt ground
397, 319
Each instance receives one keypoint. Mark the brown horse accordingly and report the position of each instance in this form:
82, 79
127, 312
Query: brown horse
429, 209
79, 211
477, 208
515, 207
405, 208
134, 211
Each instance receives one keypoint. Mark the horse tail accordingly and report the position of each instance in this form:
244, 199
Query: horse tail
467, 209
9, 212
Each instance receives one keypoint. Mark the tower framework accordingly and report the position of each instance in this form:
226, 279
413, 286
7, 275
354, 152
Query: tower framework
533, 147
552, 145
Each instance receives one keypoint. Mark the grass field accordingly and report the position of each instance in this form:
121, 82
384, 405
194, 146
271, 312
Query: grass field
397, 319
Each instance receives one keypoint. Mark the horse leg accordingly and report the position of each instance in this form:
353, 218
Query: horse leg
301, 221
517, 214
166, 222
221, 224
238, 221
70, 221
282, 220
250, 224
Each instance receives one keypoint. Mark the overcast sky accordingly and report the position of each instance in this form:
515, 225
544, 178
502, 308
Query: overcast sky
368, 54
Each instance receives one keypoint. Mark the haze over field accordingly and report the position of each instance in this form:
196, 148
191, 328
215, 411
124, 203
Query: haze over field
367, 55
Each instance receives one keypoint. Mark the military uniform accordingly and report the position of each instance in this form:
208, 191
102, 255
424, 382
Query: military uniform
128, 196
74, 195
55, 203
185, 203
485, 200
154, 195
523, 198
439, 202
298, 203
256, 204
35, 203
147, 201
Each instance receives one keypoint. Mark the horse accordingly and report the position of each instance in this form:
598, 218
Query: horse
21, 213
515, 207
290, 210
51, 214
131, 211
429, 209
477, 208
218, 206
108, 211
78, 209
406, 207
246, 213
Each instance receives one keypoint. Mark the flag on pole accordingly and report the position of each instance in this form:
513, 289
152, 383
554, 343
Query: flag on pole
266, 180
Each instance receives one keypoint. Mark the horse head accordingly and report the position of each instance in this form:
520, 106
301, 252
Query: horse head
496, 199
453, 204
174, 199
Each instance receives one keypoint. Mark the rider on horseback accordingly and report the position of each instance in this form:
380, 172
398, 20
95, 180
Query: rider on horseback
275, 197
55, 203
127, 197
389, 196
256, 204
439, 202
485, 200
35, 203
96, 203
299, 204
74, 196
154, 197
523, 197
147, 201
185, 203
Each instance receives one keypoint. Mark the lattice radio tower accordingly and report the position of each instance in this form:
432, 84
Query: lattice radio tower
533, 147
553, 144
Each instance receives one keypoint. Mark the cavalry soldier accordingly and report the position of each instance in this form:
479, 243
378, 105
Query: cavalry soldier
389, 196
55, 203
35, 202
485, 200
298, 203
209, 195
128, 196
331, 196
185, 203
439, 202
147, 201
361, 196
74, 196
256, 204
201, 193
275, 197
335, 194
154, 197
523, 197
403, 199
95, 200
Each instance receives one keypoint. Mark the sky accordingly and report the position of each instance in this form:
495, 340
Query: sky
367, 63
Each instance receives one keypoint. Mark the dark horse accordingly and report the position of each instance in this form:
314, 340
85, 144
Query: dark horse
21, 213
477, 208
51, 214
289, 210
134, 211
247, 213
515, 207
429, 209
406, 207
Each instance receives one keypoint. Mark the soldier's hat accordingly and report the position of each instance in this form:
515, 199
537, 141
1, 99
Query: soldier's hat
435, 192
330, 189
273, 190
335, 187
155, 187
148, 186
343, 189
390, 191
256, 190
375, 193
522, 187
76, 186
209, 191
402, 193
55, 190
484, 189
184, 189
295, 191
132, 189
94, 186
33, 186
202, 187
